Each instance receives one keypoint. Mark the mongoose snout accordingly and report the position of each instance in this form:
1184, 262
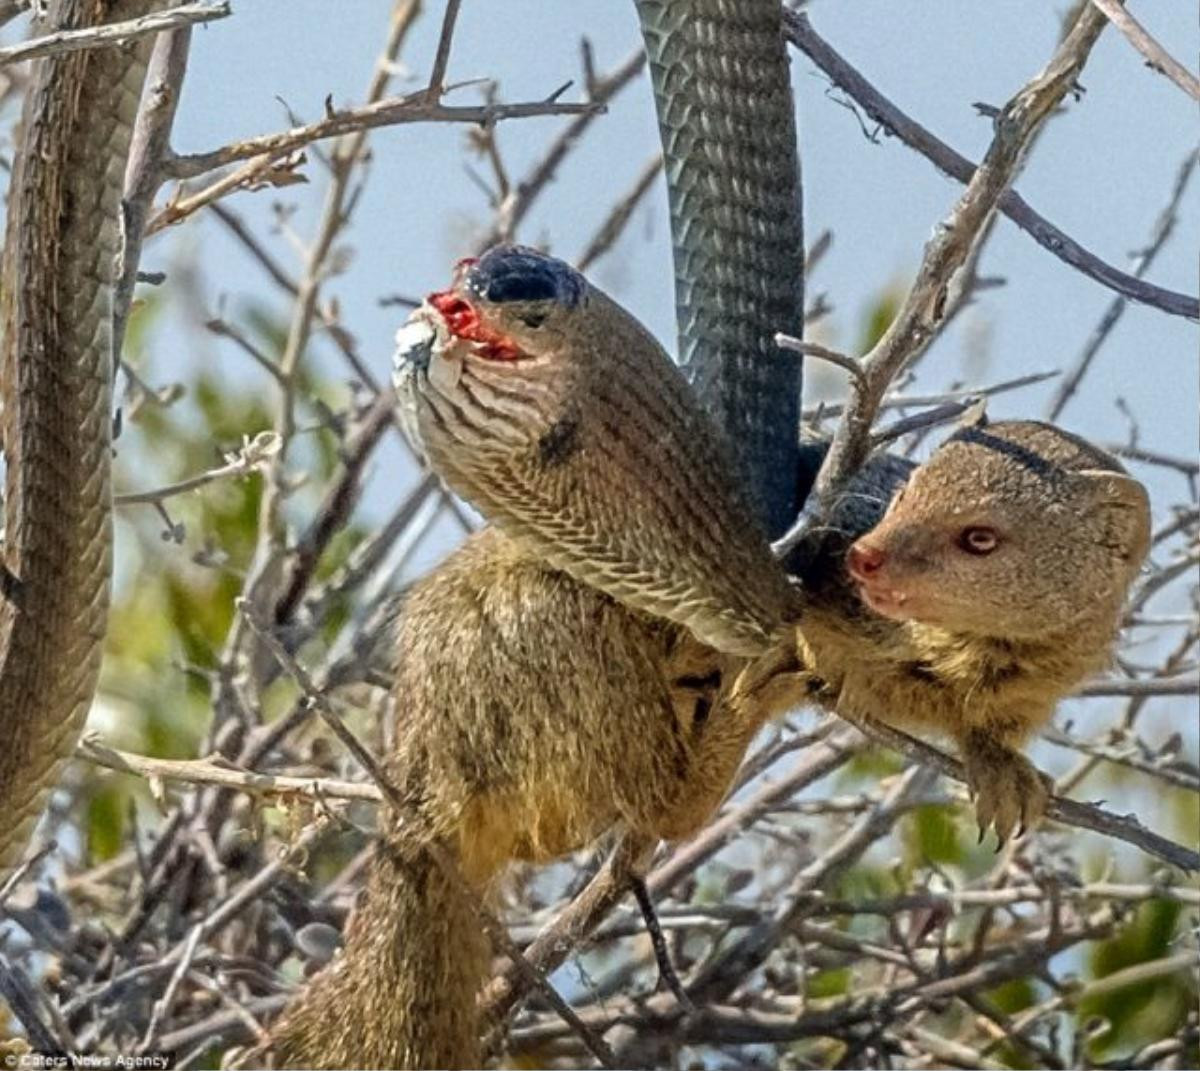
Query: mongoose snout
867, 565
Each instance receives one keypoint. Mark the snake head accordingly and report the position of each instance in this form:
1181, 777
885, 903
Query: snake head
484, 368
553, 412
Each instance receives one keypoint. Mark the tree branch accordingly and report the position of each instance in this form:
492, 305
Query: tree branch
1163, 228
392, 111
1157, 58
1046, 234
923, 313
113, 33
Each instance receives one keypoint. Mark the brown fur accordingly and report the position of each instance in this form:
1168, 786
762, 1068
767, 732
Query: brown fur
577, 715
550, 683
539, 708
982, 648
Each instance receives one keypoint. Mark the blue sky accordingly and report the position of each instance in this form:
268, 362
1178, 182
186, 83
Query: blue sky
1102, 172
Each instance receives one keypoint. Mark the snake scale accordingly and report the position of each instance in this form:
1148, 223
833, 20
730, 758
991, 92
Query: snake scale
719, 70
724, 100
63, 237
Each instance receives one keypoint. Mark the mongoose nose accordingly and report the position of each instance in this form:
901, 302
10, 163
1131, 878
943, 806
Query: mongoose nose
864, 562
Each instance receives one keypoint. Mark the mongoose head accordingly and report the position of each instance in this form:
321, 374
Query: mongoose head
1017, 530
550, 409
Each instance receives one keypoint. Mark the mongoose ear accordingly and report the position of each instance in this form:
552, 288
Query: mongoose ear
1123, 503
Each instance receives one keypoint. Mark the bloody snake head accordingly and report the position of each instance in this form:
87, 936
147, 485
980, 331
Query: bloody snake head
513, 274
485, 368
554, 413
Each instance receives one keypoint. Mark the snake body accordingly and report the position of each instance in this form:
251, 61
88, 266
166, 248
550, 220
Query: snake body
724, 101
558, 416
63, 235
720, 75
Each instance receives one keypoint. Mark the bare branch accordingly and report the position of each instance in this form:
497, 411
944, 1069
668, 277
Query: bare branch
254, 454
901, 400
437, 77
891, 118
846, 363
214, 772
923, 313
392, 111
148, 153
1188, 684
1070, 812
523, 194
616, 221
1157, 58
113, 33
1163, 228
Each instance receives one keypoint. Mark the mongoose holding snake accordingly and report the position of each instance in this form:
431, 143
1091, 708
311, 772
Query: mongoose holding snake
692, 658
606, 651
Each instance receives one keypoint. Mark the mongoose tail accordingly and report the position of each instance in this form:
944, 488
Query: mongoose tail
402, 991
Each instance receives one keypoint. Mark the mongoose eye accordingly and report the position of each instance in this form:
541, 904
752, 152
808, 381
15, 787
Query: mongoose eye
978, 540
533, 319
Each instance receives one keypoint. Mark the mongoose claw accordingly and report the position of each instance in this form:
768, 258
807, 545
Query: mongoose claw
1010, 792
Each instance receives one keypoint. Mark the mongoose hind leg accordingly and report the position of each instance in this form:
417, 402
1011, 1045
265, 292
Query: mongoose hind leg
1010, 793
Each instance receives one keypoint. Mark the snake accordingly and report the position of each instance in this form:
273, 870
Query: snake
719, 71
58, 277
544, 404
726, 118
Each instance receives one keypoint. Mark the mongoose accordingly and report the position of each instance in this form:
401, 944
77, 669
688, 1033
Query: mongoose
990, 587
579, 665
605, 653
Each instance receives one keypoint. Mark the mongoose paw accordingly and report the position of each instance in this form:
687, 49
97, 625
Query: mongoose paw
1010, 793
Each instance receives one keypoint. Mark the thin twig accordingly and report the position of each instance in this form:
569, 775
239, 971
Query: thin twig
823, 353
113, 33
524, 193
901, 400
437, 77
618, 218
1163, 228
1157, 58
253, 456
